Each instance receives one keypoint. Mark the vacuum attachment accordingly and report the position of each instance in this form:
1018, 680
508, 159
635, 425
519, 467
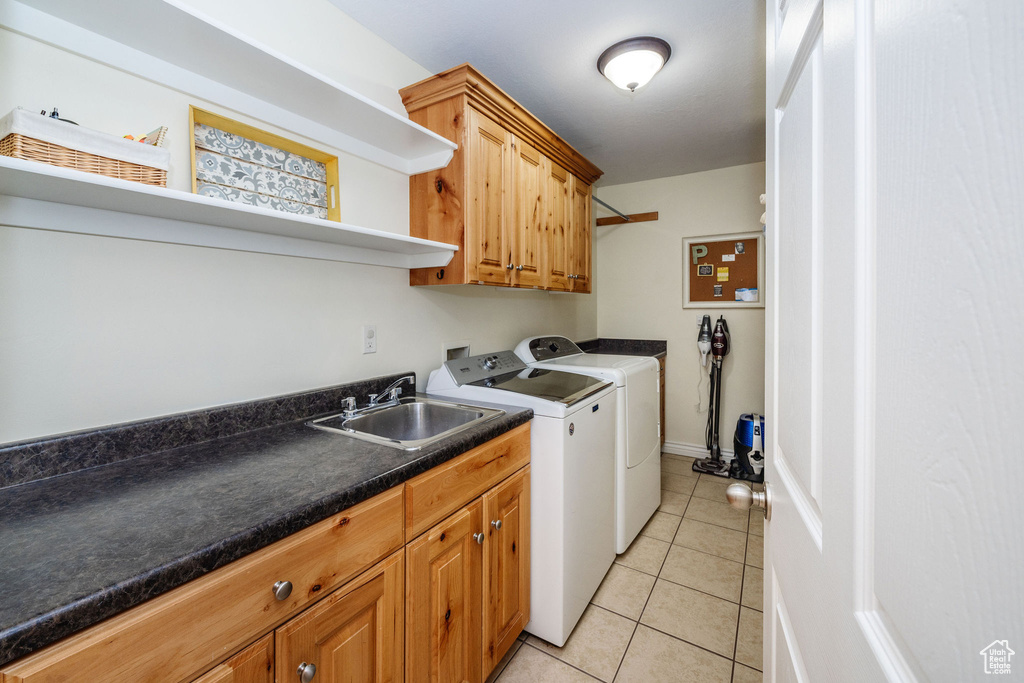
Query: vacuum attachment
704, 340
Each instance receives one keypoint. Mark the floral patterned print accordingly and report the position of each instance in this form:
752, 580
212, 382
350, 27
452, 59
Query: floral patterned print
236, 169
238, 147
221, 170
232, 194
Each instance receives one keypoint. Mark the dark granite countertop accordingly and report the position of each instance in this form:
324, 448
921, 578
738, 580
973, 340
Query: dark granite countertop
83, 546
626, 347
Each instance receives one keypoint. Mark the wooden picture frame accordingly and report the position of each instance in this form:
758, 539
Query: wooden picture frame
734, 262
330, 207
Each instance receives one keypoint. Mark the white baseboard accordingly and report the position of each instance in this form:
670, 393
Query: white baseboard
692, 450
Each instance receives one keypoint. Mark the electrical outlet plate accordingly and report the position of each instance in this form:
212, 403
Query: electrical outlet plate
369, 339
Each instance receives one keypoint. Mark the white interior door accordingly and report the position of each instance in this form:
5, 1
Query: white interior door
895, 339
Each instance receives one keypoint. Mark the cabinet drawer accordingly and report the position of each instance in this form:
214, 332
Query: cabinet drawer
435, 494
186, 631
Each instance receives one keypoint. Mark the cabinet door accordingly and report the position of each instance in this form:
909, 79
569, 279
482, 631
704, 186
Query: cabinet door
580, 236
488, 249
506, 600
254, 664
528, 215
557, 228
353, 635
443, 608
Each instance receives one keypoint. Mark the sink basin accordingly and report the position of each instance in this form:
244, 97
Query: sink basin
410, 424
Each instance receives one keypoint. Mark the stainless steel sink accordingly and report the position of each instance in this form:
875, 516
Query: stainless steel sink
410, 424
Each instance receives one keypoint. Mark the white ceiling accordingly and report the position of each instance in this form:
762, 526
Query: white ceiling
705, 109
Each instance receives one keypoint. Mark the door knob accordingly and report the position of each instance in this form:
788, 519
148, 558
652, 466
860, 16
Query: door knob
742, 497
306, 672
519, 267
509, 267
479, 538
496, 524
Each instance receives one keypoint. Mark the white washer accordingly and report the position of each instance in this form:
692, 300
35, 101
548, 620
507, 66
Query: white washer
572, 482
638, 428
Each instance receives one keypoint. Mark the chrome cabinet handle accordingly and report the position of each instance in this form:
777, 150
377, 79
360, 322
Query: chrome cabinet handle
282, 589
306, 672
519, 267
743, 498
479, 538
509, 267
496, 524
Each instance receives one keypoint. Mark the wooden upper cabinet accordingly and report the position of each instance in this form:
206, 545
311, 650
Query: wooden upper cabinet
494, 201
355, 634
557, 230
488, 245
528, 215
580, 237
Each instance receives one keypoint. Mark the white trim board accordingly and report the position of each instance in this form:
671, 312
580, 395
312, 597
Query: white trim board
693, 450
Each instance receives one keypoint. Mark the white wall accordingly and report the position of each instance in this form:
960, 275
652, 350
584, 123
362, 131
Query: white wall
96, 331
639, 287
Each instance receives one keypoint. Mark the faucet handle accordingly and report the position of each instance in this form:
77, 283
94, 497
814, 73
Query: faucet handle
373, 399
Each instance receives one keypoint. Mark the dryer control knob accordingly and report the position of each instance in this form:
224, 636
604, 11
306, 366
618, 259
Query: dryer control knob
490, 363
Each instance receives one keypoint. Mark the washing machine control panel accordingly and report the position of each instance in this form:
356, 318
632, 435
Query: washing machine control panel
476, 368
546, 348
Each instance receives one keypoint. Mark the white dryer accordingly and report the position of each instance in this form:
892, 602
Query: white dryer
572, 480
638, 425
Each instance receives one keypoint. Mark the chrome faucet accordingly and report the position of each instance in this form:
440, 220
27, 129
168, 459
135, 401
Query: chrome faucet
392, 392
349, 409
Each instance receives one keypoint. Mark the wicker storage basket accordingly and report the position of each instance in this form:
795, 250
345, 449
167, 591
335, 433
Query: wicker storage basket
30, 146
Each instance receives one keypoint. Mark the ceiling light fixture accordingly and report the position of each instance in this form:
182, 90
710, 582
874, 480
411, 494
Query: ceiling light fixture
632, 63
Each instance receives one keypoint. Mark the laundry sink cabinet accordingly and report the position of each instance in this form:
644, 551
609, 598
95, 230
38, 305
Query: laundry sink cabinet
468, 577
515, 197
427, 581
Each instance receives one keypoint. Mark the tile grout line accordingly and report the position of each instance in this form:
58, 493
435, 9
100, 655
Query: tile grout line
636, 625
548, 654
684, 640
743, 578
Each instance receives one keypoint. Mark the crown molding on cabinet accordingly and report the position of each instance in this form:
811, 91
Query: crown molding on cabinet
491, 100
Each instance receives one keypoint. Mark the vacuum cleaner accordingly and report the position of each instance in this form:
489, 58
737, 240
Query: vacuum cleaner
748, 443
713, 464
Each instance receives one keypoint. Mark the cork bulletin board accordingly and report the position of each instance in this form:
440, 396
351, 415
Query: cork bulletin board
724, 271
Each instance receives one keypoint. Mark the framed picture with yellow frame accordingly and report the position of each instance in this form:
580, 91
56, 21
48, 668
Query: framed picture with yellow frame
239, 163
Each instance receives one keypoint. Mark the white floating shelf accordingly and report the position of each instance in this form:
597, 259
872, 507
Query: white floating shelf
39, 196
174, 45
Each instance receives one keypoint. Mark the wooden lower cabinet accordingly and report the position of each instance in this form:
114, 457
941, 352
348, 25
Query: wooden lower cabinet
443, 606
364, 608
254, 664
468, 586
661, 386
506, 568
352, 636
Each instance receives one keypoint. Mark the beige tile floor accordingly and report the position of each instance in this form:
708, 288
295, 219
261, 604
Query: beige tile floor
683, 603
